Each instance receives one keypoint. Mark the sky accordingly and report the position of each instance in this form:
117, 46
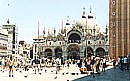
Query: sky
26, 14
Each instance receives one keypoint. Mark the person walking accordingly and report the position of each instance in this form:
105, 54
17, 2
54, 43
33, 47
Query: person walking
97, 64
126, 63
118, 60
3, 64
57, 67
114, 62
104, 64
11, 64
122, 63
37, 65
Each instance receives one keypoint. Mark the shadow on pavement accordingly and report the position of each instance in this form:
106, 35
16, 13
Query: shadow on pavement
109, 75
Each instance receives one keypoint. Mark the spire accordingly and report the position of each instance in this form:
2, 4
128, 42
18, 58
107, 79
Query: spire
38, 38
73, 25
38, 30
90, 9
48, 31
8, 21
54, 31
90, 14
67, 23
106, 29
62, 30
68, 18
62, 24
44, 31
84, 15
83, 11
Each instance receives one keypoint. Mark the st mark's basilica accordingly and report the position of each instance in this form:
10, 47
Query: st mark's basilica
76, 39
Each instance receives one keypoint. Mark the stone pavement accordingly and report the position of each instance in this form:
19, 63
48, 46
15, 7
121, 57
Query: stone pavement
110, 75
65, 75
50, 75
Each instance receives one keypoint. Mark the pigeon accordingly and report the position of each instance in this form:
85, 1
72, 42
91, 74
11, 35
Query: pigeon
63, 73
67, 73
77, 73
17, 69
55, 77
20, 71
40, 73
93, 76
27, 69
72, 73
45, 70
26, 76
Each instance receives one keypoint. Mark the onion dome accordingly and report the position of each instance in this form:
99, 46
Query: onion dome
81, 22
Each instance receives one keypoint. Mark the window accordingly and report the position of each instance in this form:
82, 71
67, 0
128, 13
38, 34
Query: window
99, 42
113, 2
50, 43
113, 35
113, 13
113, 24
113, 45
88, 42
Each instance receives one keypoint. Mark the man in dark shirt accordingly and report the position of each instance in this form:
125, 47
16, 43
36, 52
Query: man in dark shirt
37, 65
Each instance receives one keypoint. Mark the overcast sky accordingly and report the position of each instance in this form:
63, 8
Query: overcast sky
50, 13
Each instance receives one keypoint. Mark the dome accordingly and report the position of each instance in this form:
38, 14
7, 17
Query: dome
91, 23
81, 22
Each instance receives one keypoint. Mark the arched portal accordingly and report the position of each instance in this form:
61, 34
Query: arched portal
73, 51
58, 52
100, 51
48, 53
89, 51
74, 38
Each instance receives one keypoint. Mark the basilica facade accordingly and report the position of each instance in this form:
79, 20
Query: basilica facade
77, 39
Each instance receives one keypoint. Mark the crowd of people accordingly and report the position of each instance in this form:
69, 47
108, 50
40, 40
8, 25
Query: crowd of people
123, 62
8, 63
93, 64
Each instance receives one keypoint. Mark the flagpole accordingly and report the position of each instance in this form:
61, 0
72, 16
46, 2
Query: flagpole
38, 39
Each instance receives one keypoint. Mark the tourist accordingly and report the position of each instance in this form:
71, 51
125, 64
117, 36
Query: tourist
122, 63
97, 64
11, 65
126, 62
37, 65
89, 64
104, 64
3, 64
57, 67
101, 64
68, 63
118, 60
114, 62
62, 61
